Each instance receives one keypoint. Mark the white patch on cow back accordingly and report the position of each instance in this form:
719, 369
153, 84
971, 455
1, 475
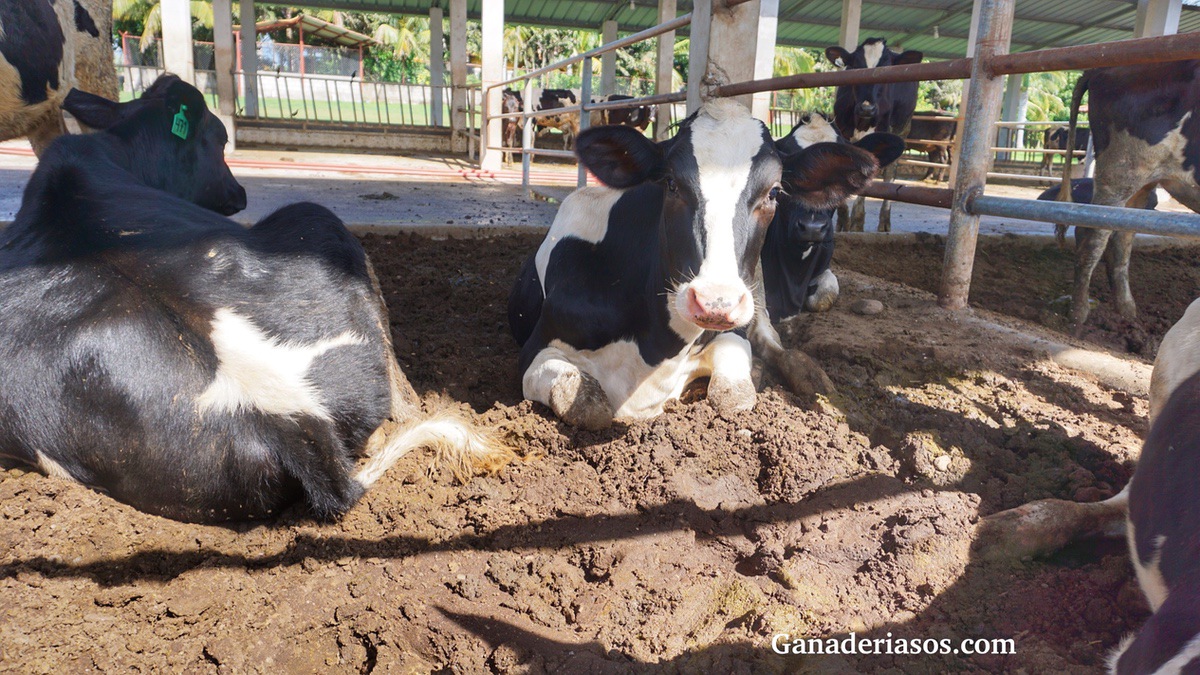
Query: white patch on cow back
53, 468
873, 52
582, 215
816, 129
259, 372
1178, 359
725, 140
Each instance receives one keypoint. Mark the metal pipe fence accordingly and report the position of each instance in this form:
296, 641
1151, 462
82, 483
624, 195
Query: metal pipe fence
981, 111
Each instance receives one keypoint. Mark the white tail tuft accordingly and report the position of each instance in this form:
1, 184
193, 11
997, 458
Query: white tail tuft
459, 444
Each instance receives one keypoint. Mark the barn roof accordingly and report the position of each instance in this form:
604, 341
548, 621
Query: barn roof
937, 27
318, 27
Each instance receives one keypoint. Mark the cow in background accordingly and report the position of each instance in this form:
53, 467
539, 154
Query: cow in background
638, 118
865, 108
512, 102
180, 362
943, 130
567, 123
1081, 193
799, 244
1056, 139
1145, 132
47, 47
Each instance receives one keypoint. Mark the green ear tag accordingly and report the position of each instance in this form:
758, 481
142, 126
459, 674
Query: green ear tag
180, 126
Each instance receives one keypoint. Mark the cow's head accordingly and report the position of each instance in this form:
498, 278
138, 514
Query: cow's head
869, 99
719, 178
512, 101
821, 170
171, 141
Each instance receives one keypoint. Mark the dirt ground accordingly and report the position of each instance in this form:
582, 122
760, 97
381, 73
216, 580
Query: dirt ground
681, 544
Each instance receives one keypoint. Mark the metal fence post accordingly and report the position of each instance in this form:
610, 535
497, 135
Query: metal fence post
975, 159
585, 119
526, 136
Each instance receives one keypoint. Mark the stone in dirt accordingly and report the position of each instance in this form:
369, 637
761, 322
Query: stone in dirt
866, 307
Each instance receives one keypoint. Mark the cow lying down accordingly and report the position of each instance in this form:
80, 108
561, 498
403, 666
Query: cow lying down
799, 244
650, 283
179, 362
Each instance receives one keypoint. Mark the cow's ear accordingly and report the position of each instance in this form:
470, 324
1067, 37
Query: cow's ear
825, 174
186, 105
908, 58
837, 56
887, 148
91, 110
619, 156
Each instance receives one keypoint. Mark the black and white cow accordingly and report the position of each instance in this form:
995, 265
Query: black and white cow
1081, 193
641, 287
567, 123
799, 244
1163, 525
941, 130
1145, 132
865, 108
1055, 138
512, 102
46, 48
193, 368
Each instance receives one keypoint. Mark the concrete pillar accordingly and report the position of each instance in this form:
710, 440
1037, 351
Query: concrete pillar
664, 70
177, 39
851, 20
1012, 111
1157, 17
458, 74
249, 60
223, 56
492, 61
437, 66
608, 60
731, 44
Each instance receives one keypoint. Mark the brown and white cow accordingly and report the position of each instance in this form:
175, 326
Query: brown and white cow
47, 47
1145, 132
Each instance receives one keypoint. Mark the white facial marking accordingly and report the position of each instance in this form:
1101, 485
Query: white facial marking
1178, 359
725, 140
872, 52
256, 371
816, 130
860, 134
582, 215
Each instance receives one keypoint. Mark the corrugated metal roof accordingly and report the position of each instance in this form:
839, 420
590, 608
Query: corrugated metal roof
910, 24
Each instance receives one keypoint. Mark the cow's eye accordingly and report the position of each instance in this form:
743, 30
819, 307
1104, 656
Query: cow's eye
775, 192
671, 186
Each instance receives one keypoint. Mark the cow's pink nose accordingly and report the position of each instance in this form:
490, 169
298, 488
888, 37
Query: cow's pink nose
715, 311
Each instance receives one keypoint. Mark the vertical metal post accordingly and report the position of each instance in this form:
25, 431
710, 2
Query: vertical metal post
608, 60
664, 71
972, 38
972, 165
526, 136
437, 66
698, 52
585, 118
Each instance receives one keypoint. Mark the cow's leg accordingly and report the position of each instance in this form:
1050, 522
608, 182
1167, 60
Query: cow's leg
799, 371
1089, 248
825, 295
50, 128
843, 218
1185, 193
574, 395
1045, 526
730, 386
885, 210
858, 214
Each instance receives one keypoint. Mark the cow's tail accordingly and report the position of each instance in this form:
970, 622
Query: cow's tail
461, 445
1064, 190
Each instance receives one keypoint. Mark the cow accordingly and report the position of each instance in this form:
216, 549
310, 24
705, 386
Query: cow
941, 130
798, 247
865, 108
195, 369
1055, 138
1145, 133
1163, 522
47, 47
638, 118
567, 123
648, 282
512, 102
